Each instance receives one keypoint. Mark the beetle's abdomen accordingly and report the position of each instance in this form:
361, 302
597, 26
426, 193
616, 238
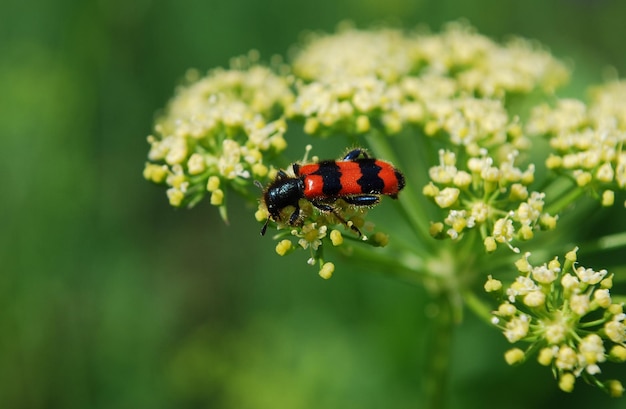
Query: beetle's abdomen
329, 179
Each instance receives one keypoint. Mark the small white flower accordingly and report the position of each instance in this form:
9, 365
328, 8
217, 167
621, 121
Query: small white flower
588, 276
566, 358
556, 332
579, 303
535, 299
503, 230
522, 286
517, 328
544, 275
447, 197
616, 331
592, 350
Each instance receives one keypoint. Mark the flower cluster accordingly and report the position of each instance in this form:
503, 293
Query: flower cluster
491, 198
587, 139
486, 68
351, 53
315, 229
310, 237
450, 110
478, 64
222, 130
217, 131
566, 314
455, 81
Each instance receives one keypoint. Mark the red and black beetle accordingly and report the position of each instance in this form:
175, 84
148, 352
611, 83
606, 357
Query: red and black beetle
357, 179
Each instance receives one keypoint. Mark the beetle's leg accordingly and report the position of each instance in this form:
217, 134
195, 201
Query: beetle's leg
264, 228
362, 200
325, 207
294, 216
281, 175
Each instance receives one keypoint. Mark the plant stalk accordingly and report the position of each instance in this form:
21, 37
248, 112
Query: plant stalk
437, 353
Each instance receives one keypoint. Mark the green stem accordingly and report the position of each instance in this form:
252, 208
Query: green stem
411, 206
562, 202
479, 308
591, 323
405, 267
439, 343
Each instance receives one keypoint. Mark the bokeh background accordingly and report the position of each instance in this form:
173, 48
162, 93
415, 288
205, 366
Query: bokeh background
109, 298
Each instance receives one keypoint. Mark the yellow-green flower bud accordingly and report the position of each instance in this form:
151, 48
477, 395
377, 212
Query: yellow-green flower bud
327, 271
579, 303
615, 331
380, 239
490, 244
213, 183
506, 310
526, 232
261, 214
336, 238
492, 284
311, 125
155, 173
583, 178
535, 299
548, 222
447, 197
196, 164
605, 173
436, 229
571, 255
554, 162
566, 382
217, 197
175, 196
545, 356
430, 190
462, 179
523, 266
283, 247
615, 388
362, 124
431, 128
279, 143
514, 356
518, 192
608, 198
602, 298
607, 282
260, 169
618, 353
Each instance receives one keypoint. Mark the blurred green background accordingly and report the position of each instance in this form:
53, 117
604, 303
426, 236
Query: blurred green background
109, 298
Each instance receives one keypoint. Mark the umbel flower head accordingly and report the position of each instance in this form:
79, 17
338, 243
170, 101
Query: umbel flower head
587, 139
222, 131
218, 131
565, 313
452, 81
493, 199
494, 163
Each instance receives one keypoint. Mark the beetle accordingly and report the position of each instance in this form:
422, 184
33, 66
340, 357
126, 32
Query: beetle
357, 179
